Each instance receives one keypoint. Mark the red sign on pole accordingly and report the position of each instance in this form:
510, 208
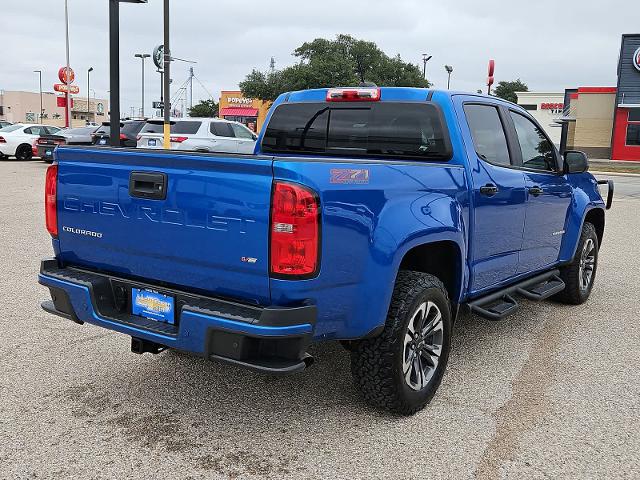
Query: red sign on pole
492, 67
64, 78
62, 102
61, 87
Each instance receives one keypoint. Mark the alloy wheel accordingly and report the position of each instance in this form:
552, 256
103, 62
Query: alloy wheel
423, 342
587, 264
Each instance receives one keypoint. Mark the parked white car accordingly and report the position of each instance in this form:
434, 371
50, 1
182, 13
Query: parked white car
17, 140
199, 135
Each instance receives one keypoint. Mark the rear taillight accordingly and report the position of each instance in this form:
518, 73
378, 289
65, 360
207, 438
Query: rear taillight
123, 136
295, 231
353, 95
34, 147
50, 199
178, 139
138, 138
2, 140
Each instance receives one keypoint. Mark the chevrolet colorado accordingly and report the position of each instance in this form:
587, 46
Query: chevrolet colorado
372, 216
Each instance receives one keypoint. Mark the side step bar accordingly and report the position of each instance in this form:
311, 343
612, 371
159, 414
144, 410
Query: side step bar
498, 305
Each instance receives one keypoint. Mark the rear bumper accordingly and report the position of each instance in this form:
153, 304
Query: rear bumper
268, 339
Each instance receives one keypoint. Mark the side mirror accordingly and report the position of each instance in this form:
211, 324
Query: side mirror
575, 162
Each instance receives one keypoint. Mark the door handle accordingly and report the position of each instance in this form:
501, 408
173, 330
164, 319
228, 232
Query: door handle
535, 191
150, 185
489, 190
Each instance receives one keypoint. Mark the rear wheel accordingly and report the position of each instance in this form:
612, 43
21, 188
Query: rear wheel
580, 274
401, 369
24, 152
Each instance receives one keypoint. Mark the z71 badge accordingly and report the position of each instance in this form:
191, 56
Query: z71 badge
350, 175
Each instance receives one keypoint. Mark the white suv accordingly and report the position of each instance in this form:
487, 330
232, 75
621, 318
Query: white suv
199, 135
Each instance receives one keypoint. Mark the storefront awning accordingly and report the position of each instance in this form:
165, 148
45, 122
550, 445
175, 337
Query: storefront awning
239, 112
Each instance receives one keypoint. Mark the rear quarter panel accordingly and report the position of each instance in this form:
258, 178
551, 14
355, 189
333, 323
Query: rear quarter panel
372, 214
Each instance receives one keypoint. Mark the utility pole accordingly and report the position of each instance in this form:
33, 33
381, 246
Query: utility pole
272, 65
67, 110
167, 76
191, 75
142, 56
89, 92
39, 72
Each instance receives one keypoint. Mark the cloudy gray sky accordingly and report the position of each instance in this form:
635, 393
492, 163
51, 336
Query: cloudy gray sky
550, 44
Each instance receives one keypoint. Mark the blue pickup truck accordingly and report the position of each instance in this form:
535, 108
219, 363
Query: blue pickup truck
372, 216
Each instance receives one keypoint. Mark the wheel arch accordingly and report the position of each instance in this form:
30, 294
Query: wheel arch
595, 216
443, 259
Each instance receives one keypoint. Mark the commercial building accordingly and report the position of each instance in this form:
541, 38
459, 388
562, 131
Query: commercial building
24, 107
248, 111
545, 107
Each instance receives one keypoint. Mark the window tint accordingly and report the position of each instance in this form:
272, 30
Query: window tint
186, 127
633, 134
131, 128
221, 129
537, 150
488, 134
11, 128
103, 130
376, 129
241, 132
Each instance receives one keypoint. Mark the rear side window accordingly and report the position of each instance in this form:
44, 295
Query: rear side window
186, 127
390, 129
241, 132
488, 134
221, 129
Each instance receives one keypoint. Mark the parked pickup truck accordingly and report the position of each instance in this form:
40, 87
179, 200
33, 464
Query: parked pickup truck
370, 216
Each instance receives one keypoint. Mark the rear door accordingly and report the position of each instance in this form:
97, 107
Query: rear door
498, 194
208, 233
222, 138
548, 195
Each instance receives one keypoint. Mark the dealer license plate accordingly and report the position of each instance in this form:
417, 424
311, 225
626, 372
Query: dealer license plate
152, 305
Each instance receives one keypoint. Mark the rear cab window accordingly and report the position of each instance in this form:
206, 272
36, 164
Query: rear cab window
379, 130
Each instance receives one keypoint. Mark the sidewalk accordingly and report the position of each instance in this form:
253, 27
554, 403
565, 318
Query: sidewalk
597, 165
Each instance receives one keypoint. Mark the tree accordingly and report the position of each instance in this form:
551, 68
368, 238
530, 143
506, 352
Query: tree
507, 90
204, 109
344, 61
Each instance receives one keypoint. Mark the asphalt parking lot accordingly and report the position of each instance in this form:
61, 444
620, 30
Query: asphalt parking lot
552, 392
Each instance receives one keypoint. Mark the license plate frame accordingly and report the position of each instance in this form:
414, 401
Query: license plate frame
153, 305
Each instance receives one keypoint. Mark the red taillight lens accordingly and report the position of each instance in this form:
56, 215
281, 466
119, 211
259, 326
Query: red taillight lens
2, 140
123, 136
353, 95
50, 199
177, 139
295, 231
34, 147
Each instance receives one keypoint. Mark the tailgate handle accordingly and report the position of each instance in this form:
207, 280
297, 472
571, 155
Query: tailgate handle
150, 185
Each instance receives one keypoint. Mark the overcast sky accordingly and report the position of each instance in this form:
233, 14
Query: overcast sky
549, 44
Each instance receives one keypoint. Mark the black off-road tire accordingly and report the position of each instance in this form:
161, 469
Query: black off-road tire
24, 152
573, 293
377, 363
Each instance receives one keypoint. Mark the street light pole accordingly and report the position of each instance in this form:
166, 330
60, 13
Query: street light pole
39, 72
88, 92
142, 56
425, 58
67, 111
449, 70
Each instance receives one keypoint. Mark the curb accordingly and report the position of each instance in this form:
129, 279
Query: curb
615, 174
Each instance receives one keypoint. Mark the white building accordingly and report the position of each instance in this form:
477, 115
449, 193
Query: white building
545, 107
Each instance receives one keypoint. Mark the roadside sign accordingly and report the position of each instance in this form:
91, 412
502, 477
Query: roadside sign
61, 87
64, 78
158, 105
158, 57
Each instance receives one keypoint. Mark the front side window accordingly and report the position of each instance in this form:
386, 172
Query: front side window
537, 151
488, 134
241, 132
387, 129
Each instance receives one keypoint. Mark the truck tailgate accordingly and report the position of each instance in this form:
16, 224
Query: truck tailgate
210, 233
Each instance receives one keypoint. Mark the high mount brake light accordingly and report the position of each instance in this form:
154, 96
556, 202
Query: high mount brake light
353, 95
295, 231
51, 199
